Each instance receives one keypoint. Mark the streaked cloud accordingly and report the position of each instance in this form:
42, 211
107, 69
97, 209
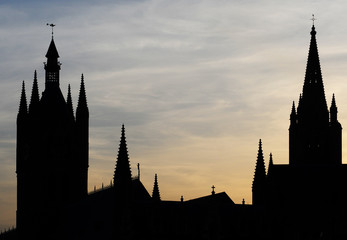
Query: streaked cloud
196, 83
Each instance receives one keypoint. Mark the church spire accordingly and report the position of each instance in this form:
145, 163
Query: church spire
313, 106
122, 173
315, 139
155, 193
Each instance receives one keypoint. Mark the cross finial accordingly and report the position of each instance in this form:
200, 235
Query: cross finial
52, 26
313, 19
213, 187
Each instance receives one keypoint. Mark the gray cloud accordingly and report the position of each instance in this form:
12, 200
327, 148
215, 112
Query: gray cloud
196, 83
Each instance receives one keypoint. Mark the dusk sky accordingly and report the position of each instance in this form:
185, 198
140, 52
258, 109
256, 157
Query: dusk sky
196, 83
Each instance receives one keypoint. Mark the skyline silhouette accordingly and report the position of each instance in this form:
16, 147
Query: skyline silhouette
212, 110
304, 199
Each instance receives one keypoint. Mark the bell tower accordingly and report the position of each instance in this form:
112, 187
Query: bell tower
52, 151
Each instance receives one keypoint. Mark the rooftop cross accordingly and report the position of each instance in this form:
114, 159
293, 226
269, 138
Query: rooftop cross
52, 26
213, 187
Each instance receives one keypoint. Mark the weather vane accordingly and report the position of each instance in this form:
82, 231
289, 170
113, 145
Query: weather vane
313, 19
52, 26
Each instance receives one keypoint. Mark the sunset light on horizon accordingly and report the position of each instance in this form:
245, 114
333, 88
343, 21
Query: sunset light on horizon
196, 84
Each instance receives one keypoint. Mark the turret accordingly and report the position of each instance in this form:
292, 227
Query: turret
335, 135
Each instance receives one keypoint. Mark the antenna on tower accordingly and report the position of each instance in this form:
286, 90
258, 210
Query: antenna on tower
313, 19
52, 26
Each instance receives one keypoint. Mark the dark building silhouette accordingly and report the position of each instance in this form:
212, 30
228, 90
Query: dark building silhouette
52, 150
305, 199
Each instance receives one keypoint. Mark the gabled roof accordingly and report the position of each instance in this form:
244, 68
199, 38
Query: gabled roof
218, 198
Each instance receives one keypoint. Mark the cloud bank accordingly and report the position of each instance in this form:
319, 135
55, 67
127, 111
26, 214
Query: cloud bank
196, 83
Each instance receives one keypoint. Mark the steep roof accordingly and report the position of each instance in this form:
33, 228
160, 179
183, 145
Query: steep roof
312, 109
52, 51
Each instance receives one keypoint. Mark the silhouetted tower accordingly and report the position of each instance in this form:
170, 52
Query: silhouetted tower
259, 180
52, 151
122, 174
156, 193
313, 139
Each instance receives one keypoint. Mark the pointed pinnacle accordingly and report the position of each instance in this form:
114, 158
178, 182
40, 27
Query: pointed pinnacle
69, 102
82, 99
23, 109
271, 161
156, 193
293, 108
333, 102
122, 172
35, 97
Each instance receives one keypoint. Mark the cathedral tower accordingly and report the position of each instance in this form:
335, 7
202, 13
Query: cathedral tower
313, 137
52, 150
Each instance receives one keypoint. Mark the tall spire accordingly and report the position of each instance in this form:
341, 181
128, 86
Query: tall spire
35, 97
23, 109
122, 173
155, 193
313, 106
314, 139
